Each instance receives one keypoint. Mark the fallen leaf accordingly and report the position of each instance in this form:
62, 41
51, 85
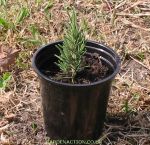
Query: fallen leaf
7, 59
2, 55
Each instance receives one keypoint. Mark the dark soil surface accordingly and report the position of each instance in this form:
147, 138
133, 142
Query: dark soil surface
95, 69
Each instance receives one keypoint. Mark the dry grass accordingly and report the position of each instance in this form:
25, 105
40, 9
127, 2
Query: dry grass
123, 25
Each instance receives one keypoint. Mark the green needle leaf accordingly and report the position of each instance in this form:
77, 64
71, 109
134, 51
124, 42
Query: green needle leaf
73, 48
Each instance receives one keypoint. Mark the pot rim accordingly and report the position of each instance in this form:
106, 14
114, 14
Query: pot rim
118, 62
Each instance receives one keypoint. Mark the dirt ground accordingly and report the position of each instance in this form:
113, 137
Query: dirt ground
123, 25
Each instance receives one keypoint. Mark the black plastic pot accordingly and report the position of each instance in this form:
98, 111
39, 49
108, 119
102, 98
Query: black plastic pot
74, 111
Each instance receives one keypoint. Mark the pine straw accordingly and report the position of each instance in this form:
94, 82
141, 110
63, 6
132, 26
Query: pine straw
119, 24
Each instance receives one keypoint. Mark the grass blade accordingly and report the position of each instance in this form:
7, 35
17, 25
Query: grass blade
4, 23
2, 2
24, 12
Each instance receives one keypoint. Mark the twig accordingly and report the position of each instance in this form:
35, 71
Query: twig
134, 15
4, 128
145, 9
139, 127
140, 63
103, 137
134, 25
108, 4
135, 4
121, 4
138, 135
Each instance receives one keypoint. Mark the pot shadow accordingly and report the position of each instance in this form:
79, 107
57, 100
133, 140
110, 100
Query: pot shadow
126, 127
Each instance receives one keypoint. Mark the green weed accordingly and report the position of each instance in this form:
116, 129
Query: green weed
4, 80
34, 126
34, 40
126, 107
29, 42
4, 23
23, 13
141, 56
136, 96
47, 8
34, 31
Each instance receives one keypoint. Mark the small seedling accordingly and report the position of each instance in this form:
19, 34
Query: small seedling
34, 126
141, 56
126, 107
23, 13
136, 96
4, 80
72, 50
